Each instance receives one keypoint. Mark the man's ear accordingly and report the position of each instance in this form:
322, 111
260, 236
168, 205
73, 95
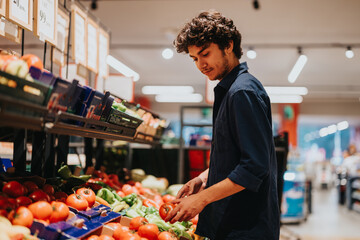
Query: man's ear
230, 48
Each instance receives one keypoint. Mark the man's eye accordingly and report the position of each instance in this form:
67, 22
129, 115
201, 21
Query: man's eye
205, 54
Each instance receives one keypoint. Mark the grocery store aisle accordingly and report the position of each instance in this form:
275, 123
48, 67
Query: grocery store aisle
328, 221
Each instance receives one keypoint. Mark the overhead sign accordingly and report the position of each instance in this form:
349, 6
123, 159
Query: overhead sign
104, 43
79, 39
2, 8
92, 45
121, 86
45, 22
62, 29
20, 12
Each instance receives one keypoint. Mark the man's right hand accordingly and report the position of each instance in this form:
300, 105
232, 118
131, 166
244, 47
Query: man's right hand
193, 186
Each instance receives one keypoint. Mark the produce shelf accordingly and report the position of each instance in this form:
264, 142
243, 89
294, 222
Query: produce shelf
11, 118
18, 114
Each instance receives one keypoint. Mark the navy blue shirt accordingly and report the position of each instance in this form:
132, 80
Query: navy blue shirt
243, 151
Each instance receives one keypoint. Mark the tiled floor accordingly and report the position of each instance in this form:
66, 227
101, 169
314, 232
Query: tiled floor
328, 221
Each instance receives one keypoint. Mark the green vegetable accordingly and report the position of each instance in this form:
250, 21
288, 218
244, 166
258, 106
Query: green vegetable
65, 172
120, 206
152, 210
155, 219
104, 185
131, 199
117, 196
132, 213
107, 195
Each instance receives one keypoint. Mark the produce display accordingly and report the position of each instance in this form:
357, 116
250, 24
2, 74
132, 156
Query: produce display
132, 210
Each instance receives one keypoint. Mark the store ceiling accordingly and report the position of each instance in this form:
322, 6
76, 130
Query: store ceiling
140, 30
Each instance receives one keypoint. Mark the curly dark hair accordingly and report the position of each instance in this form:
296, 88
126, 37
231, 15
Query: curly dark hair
209, 27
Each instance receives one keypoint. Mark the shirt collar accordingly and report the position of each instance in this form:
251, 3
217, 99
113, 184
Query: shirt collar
228, 80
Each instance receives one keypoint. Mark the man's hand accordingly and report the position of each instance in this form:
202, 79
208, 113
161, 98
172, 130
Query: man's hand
186, 208
193, 186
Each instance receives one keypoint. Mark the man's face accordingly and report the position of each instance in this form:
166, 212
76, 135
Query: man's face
210, 60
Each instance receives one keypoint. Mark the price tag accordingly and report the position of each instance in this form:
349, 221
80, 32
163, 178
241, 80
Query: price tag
10, 30
93, 45
62, 29
103, 53
79, 39
45, 20
2, 8
20, 12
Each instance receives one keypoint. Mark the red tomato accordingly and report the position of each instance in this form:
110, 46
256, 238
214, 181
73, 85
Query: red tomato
31, 186
125, 235
13, 189
121, 193
138, 185
158, 199
60, 196
145, 190
148, 202
105, 237
113, 225
166, 236
7, 205
39, 195
48, 189
127, 189
149, 231
60, 212
93, 237
41, 210
88, 194
23, 201
165, 209
13, 202
23, 217
136, 222
168, 198
77, 201
33, 60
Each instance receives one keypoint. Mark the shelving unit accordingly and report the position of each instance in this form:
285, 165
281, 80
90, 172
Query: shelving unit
182, 146
353, 193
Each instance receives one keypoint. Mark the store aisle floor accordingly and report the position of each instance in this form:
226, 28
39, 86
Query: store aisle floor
328, 220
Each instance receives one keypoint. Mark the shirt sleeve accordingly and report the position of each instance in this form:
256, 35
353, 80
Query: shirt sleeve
252, 132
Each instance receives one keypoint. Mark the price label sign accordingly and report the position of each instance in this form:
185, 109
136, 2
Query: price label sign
45, 20
9, 30
62, 29
2, 8
103, 53
79, 39
93, 45
20, 12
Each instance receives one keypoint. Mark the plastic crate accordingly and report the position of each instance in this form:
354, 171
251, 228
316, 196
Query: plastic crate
22, 89
63, 95
123, 119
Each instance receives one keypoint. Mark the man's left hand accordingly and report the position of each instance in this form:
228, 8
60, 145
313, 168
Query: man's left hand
186, 209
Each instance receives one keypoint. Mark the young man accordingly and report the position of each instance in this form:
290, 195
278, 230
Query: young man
237, 196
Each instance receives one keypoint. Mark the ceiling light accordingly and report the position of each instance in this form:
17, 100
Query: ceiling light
285, 98
300, 63
122, 68
194, 98
167, 53
251, 54
332, 129
286, 90
323, 132
289, 176
349, 53
342, 125
167, 90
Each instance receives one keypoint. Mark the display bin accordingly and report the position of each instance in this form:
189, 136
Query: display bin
97, 107
123, 119
22, 89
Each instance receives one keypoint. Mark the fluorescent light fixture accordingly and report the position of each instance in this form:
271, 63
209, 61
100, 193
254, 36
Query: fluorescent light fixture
342, 125
175, 90
349, 53
286, 90
251, 54
332, 129
122, 68
167, 53
323, 132
289, 176
194, 98
285, 98
299, 65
